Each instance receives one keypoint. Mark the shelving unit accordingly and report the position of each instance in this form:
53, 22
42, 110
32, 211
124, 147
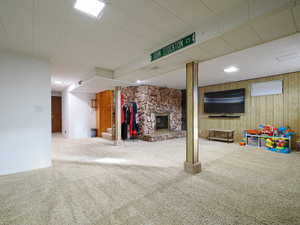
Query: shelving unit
263, 137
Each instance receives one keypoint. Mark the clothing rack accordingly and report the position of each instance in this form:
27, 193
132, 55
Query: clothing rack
129, 114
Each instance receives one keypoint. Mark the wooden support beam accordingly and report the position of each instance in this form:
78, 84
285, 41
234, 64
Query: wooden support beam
192, 164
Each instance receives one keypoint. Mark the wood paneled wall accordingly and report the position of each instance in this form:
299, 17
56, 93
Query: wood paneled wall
277, 110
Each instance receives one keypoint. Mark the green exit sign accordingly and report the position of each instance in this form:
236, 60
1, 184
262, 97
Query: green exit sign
175, 46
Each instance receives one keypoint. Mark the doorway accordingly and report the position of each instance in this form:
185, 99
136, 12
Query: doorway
104, 111
56, 114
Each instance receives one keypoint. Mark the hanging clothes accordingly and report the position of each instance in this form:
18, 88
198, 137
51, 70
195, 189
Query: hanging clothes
123, 124
122, 111
124, 129
126, 122
129, 121
134, 127
127, 114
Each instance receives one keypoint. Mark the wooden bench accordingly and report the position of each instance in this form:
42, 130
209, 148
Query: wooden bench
221, 135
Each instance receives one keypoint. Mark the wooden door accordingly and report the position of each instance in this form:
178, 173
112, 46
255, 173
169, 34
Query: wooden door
56, 114
104, 111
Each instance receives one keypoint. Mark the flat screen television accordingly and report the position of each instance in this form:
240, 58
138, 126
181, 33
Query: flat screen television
232, 101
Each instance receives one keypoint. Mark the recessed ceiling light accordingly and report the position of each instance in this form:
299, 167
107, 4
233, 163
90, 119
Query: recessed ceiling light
91, 7
231, 69
58, 82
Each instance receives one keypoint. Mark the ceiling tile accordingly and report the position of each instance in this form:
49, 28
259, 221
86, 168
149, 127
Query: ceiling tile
219, 6
193, 12
174, 60
196, 53
74, 36
274, 26
148, 35
258, 7
3, 34
234, 17
241, 38
50, 27
216, 47
17, 17
151, 14
296, 12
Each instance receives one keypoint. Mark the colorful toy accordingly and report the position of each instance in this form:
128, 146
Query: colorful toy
276, 139
243, 142
281, 130
277, 145
280, 143
288, 134
268, 130
269, 143
254, 131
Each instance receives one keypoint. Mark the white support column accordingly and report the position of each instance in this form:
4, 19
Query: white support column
192, 164
117, 129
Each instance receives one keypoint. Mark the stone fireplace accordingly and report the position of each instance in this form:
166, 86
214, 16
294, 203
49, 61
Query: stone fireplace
162, 121
159, 111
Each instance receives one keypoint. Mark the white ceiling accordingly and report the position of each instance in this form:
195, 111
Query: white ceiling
273, 25
130, 29
276, 57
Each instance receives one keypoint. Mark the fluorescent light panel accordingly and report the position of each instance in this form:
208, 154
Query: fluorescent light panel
91, 7
231, 69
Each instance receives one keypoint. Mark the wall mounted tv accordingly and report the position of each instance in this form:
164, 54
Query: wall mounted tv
231, 101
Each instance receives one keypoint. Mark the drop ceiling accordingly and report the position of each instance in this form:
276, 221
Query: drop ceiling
278, 23
276, 57
130, 29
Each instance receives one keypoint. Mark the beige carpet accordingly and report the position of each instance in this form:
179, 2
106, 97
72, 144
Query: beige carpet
143, 183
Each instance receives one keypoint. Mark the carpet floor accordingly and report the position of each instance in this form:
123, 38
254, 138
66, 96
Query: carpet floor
92, 182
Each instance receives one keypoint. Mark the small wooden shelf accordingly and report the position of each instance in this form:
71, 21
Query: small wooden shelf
221, 135
221, 139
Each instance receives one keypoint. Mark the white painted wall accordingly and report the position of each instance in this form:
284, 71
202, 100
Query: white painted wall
77, 116
56, 93
25, 113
